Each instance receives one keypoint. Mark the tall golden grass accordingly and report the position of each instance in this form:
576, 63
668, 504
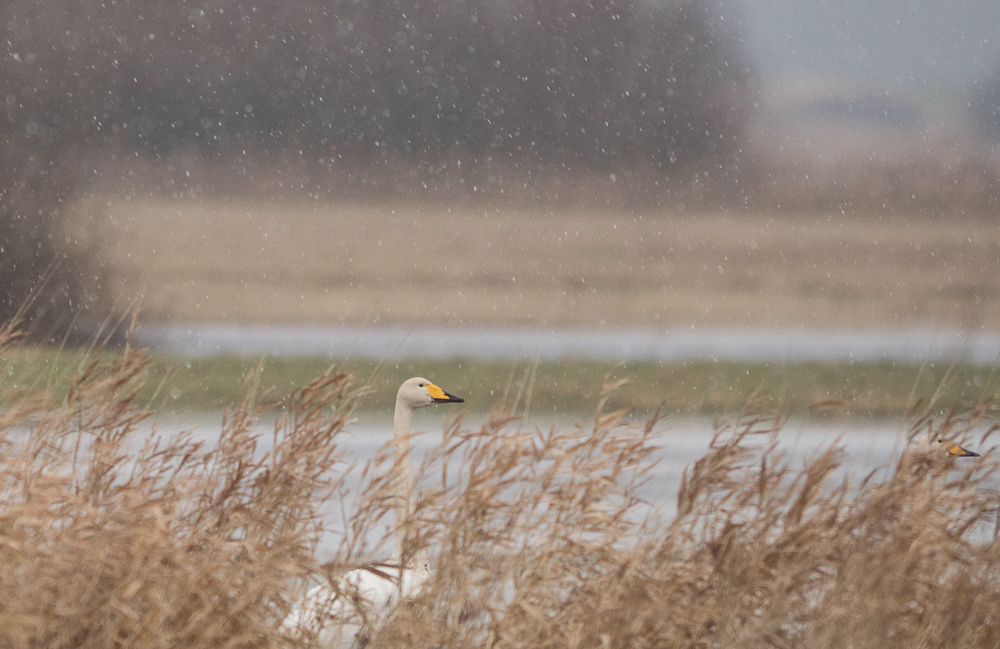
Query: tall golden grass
113, 535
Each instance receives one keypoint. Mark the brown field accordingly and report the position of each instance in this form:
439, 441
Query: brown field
302, 263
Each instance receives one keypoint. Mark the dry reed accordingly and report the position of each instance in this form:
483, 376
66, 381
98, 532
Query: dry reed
112, 535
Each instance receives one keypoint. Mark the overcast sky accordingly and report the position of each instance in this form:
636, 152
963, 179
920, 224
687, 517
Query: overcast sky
878, 41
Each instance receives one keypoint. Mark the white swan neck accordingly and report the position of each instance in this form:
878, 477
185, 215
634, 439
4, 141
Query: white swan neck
402, 475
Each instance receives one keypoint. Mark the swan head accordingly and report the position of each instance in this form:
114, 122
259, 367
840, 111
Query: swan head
419, 392
934, 445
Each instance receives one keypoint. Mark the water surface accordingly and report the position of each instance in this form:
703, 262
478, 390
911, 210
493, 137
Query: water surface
753, 345
868, 446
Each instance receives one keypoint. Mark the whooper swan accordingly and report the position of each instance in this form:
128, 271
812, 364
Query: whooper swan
933, 450
933, 444
344, 615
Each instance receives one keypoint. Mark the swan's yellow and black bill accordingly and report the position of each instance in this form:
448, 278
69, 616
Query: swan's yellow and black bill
440, 396
955, 450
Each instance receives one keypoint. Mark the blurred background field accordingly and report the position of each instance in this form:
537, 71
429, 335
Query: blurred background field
472, 266
468, 165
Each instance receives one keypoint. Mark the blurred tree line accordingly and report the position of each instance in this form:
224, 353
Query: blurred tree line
602, 84
604, 80
984, 106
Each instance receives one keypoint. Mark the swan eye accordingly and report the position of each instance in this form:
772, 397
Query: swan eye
422, 384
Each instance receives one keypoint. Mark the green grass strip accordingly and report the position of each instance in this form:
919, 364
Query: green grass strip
566, 387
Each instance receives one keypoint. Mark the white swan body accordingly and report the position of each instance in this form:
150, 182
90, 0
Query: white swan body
344, 614
361, 602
